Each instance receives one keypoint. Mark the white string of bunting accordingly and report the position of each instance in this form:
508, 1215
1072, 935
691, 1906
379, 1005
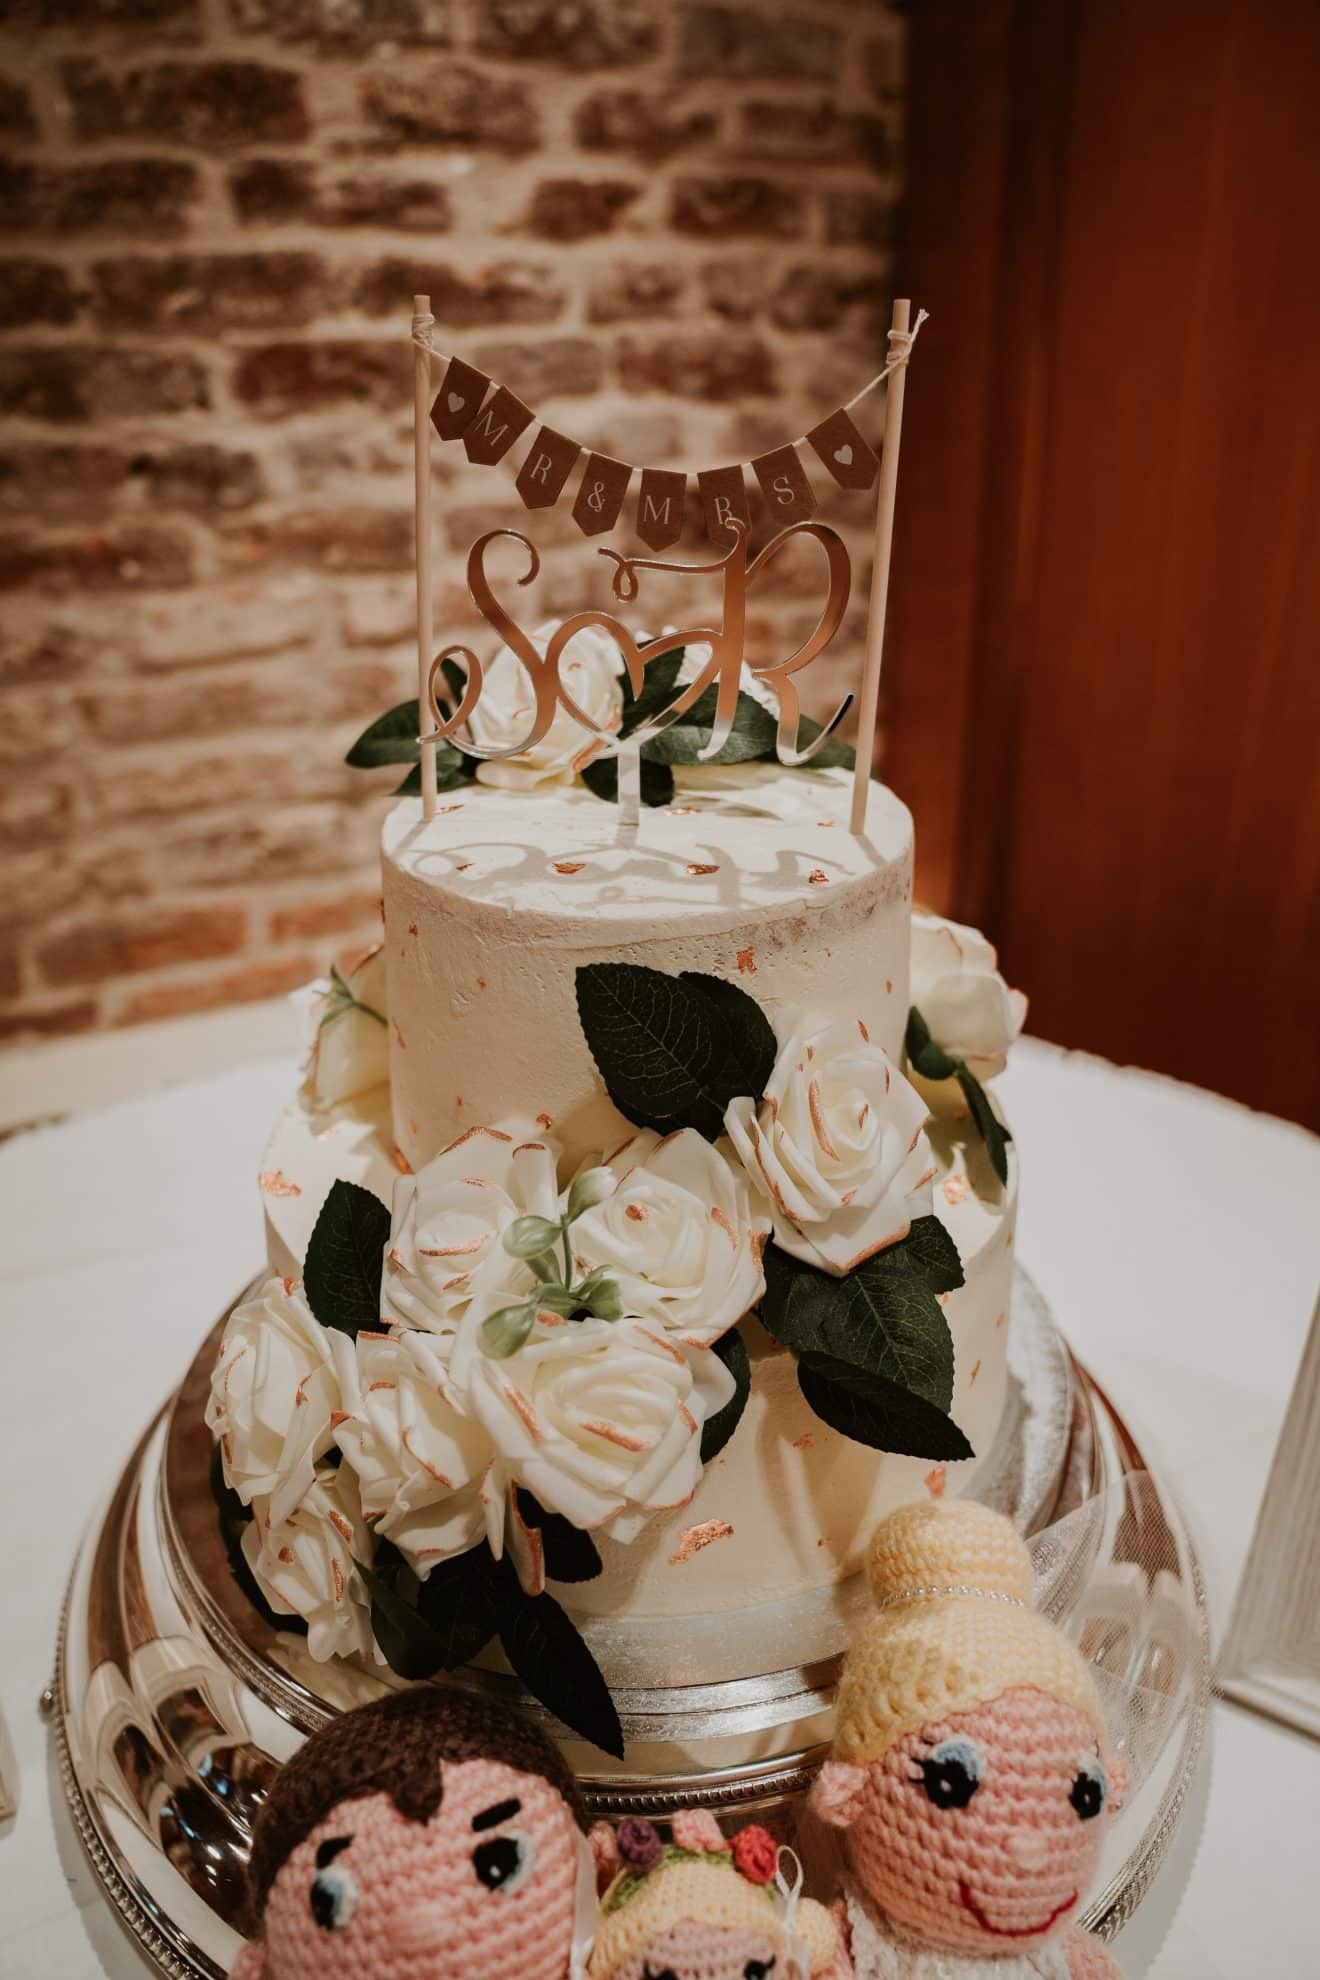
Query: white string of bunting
488, 418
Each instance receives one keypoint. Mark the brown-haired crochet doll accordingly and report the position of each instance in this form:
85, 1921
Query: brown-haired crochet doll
970, 1772
432, 1835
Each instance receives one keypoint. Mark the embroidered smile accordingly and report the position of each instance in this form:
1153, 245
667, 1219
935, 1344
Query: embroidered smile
1002, 1931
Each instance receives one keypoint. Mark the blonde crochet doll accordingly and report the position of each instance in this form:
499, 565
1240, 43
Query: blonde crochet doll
703, 1908
969, 1772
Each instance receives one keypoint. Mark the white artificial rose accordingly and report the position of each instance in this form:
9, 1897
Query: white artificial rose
836, 1148
274, 1391
445, 1248
305, 1564
601, 1420
678, 1236
347, 1027
970, 1010
590, 668
419, 1463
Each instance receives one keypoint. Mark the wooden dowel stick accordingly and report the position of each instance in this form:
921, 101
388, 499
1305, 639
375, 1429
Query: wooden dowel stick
884, 537
422, 534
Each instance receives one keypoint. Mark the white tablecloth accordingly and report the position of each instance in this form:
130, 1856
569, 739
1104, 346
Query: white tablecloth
1175, 1235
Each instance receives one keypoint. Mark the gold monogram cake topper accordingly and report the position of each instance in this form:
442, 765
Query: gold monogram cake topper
488, 419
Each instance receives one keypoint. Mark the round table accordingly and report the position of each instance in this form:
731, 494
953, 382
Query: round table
1174, 1234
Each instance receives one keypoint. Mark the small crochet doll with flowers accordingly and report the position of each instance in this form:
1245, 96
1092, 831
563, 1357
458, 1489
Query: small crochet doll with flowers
969, 1774
703, 1908
431, 1835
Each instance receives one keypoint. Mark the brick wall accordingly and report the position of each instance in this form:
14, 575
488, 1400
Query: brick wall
665, 223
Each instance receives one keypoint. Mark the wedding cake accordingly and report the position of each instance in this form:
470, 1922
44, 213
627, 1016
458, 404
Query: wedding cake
641, 1231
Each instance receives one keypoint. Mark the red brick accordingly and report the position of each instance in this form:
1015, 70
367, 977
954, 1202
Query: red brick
505, 292
36, 886
126, 557
155, 20
713, 368
252, 698
335, 25
341, 914
39, 724
261, 615
652, 126
324, 539
37, 292
259, 846
11, 972
553, 368
741, 43
72, 382
73, 482
584, 34
635, 289
450, 103
17, 119
820, 135
149, 783
574, 209
34, 1021
205, 104
36, 647
290, 377
36, 809
883, 58
212, 993
125, 945
199, 476
378, 611
857, 217
830, 298
272, 190
555, 528
737, 286
115, 195
723, 208
210, 293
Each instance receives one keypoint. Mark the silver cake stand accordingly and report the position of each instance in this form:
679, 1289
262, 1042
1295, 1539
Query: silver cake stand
174, 1704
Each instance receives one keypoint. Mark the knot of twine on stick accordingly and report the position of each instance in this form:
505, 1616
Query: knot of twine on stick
422, 326
900, 350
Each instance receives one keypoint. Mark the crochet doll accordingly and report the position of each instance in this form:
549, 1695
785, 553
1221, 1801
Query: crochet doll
969, 1771
431, 1835
703, 1908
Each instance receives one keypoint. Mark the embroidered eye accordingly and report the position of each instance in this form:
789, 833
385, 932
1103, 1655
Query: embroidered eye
1090, 1790
333, 1893
502, 1863
951, 1773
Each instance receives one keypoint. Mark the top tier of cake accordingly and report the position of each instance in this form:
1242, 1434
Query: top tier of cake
492, 906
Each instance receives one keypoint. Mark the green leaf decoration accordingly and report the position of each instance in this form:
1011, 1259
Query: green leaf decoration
933, 1062
503, 1333
923, 1054
556, 1666
673, 1051
466, 1601
732, 1351
930, 1251
452, 771
659, 685
345, 1258
751, 737
873, 1410
234, 1517
570, 1554
657, 781
391, 738
988, 1124
833, 755
528, 1237
409, 1646
877, 1320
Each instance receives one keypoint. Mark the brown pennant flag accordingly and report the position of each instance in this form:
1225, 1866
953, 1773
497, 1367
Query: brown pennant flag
549, 463
840, 444
723, 496
660, 507
457, 402
496, 427
788, 492
600, 495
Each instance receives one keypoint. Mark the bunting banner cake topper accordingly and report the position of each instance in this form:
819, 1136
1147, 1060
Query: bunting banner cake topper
488, 420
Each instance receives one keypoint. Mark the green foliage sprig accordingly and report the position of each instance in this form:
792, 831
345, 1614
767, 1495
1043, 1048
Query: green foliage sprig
933, 1062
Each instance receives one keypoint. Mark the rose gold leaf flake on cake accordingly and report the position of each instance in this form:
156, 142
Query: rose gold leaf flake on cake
697, 1537
401, 1162
412, 928
288, 1285
718, 1217
523, 1410
944, 1298
636, 1212
399, 1038
658, 1340
441, 809
957, 1189
373, 1386
568, 865
481, 983
338, 1416
463, 1250
276, 1183
936, 1481
396, 1259
610, 1433
866, 1036
804, 1443
544, 1122
889, 986
462, 866
818, 877
747, 961
975, 1372
427, 1467
337, 1574
286, 1555
688, 1420
1000, 1319
340, 1524
496, 1134
698, 867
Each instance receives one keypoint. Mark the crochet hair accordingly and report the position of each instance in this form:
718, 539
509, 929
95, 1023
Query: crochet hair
396, 1746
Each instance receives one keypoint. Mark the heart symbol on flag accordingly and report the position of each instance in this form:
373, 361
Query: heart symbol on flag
843, 455
455, 401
